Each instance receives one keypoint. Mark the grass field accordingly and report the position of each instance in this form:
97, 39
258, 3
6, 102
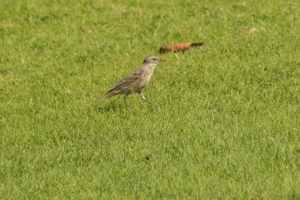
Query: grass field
226, 118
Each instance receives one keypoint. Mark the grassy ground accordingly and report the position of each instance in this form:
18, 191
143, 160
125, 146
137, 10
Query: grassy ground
227, 125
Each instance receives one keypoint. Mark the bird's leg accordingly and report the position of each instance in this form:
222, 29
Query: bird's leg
143, 97
125, 97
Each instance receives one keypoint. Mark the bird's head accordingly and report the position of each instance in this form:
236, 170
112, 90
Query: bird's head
152, 59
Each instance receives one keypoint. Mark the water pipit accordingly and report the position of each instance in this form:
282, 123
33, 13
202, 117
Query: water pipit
135, 81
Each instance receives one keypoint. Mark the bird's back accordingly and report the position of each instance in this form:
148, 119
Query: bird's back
135, 80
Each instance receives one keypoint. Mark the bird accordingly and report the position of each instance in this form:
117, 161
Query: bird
179, 47
135, 81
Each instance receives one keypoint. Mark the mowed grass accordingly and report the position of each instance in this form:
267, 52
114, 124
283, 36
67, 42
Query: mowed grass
225, 120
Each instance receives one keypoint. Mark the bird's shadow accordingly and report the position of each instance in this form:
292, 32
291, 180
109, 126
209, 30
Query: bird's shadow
120, 107
112, 107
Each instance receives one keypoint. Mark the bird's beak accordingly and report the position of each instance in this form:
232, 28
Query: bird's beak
162, 59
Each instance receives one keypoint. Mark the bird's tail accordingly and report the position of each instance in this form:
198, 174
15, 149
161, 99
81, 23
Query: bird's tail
197, 43
104, 97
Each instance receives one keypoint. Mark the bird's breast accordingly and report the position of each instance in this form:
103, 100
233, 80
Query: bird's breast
145, 79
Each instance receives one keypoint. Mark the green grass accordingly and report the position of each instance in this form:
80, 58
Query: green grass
228, 121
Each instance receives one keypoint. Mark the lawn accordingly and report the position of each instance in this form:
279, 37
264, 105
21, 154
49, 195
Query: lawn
225, 122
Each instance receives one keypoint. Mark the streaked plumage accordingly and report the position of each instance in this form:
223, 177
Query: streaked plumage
135, 81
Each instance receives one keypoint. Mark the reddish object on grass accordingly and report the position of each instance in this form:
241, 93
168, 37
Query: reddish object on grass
179, 47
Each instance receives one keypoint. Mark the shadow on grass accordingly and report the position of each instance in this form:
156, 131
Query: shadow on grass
110, 107
120, 106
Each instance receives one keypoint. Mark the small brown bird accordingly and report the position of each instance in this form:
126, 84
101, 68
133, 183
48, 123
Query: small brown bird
135, 81
179, 47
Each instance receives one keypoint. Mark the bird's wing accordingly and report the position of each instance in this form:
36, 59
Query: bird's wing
130, 80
